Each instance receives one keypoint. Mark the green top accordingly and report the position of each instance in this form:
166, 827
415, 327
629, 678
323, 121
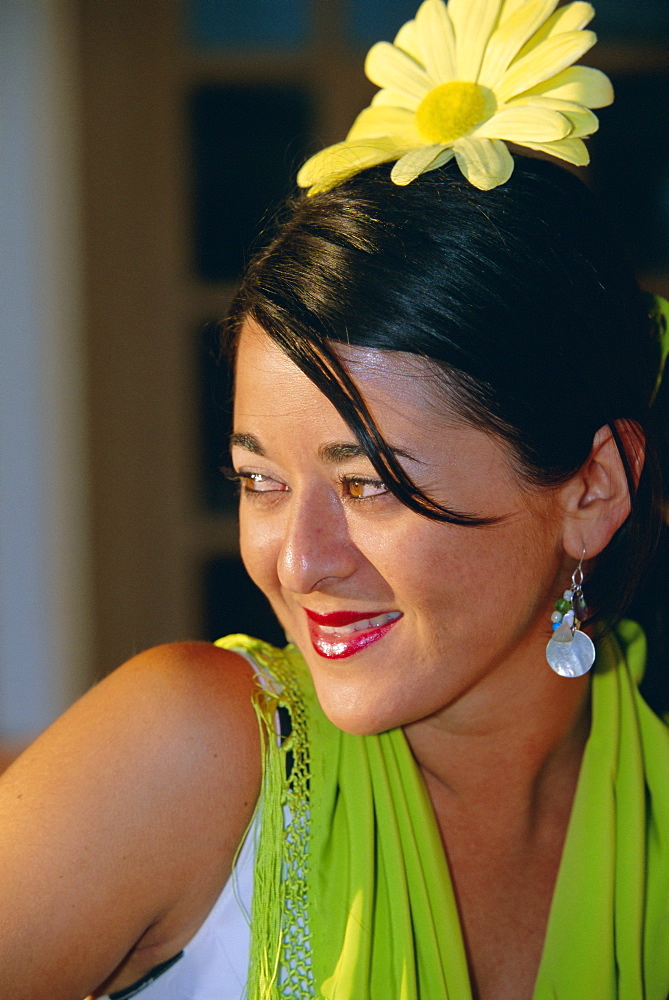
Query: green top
353, 898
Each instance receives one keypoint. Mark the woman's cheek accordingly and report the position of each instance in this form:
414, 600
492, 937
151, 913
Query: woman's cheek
259, 546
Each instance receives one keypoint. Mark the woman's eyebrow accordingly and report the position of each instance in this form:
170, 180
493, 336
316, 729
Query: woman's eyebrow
341, 452
334, 453
248, 442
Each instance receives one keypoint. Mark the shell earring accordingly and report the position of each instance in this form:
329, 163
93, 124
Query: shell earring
570, 652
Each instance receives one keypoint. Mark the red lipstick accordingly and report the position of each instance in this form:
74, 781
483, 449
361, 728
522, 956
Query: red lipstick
340, 617
334, 636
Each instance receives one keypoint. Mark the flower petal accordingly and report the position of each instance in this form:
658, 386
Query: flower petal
519, 124
583, 121
393, 99
407, 40
543, 101
573, 17
509, 7
473, 22
570, 18
485, 163
336, 163
389, 67
444, 157
437, 41
510, 37
571, 150
581, 84
417, 161
544, 61
377, 122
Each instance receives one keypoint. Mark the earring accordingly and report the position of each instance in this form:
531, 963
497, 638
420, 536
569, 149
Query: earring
570, 652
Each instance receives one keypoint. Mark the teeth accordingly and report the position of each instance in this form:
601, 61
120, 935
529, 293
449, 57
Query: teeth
343, 629
361, 625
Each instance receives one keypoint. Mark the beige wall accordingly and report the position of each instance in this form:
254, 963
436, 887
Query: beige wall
44, 528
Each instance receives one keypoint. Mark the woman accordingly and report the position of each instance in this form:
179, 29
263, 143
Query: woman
445, 446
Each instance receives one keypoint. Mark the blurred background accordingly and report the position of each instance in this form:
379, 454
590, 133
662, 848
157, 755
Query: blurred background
142, 145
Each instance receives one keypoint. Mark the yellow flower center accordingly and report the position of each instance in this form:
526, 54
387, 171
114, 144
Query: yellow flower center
451, 110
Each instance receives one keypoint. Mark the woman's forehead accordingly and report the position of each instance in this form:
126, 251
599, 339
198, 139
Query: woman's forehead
381, 376
281, 408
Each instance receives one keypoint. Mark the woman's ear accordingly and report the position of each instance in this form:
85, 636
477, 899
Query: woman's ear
597, 500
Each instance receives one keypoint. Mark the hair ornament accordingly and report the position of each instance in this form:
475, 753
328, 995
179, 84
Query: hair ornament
659, 314
463, 79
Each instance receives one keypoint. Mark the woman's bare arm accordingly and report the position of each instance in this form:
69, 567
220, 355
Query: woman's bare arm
118, 826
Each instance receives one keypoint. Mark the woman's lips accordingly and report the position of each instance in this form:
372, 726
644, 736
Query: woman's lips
343, 633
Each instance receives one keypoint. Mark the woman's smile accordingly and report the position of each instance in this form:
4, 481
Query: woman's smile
397, 615
343, 633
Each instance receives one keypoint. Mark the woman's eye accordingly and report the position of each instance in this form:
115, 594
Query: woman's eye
256, 482
358, 488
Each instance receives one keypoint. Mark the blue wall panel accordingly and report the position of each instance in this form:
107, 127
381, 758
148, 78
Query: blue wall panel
215, 24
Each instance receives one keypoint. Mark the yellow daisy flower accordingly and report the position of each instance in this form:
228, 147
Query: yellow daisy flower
464, 78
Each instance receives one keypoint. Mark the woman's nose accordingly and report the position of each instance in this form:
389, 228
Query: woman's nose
317, 550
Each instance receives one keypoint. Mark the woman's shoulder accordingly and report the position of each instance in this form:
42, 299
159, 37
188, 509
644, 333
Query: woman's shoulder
186, 707
141, 793
194, 684
182, 714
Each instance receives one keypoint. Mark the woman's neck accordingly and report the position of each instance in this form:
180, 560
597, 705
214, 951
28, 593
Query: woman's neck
502, 773
511, 746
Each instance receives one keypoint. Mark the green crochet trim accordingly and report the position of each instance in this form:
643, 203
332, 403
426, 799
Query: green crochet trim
280, 959
659, 313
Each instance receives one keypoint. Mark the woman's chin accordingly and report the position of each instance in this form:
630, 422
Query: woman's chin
353, 713
358, 726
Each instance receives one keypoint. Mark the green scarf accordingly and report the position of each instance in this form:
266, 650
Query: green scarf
353, 899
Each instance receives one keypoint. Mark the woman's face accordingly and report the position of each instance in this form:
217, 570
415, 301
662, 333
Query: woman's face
399, 617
